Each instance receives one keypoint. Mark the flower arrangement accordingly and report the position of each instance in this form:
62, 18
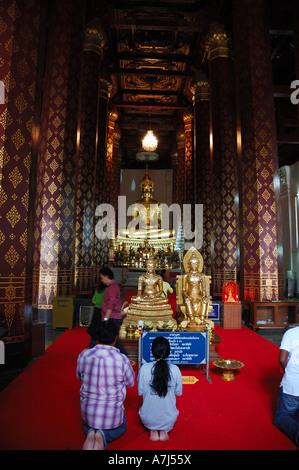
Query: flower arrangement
143, 326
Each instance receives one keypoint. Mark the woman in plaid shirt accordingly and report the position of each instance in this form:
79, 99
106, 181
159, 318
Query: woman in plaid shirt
105, 373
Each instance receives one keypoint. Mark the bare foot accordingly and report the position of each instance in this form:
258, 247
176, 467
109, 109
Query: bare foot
154, 435
164, 436
99, 443
89, 441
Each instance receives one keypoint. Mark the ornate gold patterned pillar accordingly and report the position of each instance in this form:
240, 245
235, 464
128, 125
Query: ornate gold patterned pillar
86, 162
175, 175
224, 159
101, 247
189, 163
19, 61
110, 179
56, 172
261, 272
202, 157
180, 181
111, 162
117, 160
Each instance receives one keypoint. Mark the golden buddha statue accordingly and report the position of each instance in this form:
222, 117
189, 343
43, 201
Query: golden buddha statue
193, 292
145, 230
149, 305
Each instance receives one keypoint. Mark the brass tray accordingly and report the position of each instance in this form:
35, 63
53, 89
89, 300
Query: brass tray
228, 366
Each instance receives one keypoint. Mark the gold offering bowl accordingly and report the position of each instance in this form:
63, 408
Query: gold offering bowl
228, 366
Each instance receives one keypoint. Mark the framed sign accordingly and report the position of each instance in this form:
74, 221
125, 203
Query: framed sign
186, 347
215, 313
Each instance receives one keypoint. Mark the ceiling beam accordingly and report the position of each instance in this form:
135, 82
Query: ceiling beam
136, 5
135, 91
155, 25
152, 72
152, 56
154, 105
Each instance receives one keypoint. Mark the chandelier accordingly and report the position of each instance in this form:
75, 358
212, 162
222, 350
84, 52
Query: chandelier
150, 142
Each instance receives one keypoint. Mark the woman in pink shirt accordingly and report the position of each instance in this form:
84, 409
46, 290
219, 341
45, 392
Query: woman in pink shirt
111, 306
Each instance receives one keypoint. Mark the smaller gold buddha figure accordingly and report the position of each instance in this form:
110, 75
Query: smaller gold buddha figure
149, 305
193, 291
150, 287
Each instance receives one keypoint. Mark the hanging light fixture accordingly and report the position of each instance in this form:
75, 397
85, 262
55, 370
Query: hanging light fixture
150, 142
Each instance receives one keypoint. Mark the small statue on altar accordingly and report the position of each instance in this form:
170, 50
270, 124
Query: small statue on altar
131, 256
230, 292
150, 287
149, 305
193, 292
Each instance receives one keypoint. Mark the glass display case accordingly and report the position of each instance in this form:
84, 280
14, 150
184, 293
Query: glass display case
273, 314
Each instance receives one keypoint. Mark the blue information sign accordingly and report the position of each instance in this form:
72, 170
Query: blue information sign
186, 347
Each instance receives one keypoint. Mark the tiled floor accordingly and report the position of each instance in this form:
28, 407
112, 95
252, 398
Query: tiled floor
52, 334
273, 335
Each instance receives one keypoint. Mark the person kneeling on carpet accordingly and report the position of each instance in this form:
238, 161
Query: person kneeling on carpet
105, 373
159, 383
287, 412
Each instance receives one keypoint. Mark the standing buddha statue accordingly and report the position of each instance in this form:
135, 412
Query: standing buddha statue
193, 292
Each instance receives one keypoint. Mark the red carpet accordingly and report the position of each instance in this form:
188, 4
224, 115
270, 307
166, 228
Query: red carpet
40, 408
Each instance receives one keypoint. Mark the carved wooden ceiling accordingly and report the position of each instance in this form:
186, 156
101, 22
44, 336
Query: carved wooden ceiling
154, 48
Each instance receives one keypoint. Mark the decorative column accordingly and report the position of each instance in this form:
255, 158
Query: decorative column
189, 163
111, 162
175, 175
202, 158
86, 162
224, 160
56, 171
101, 247
180, 181
117, 160
111, 184
261, 272
19, 62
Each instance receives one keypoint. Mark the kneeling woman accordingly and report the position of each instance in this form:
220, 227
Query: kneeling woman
159, 383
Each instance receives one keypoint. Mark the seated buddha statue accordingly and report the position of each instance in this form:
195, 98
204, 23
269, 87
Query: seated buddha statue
150, 287
149, 305
193, 291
